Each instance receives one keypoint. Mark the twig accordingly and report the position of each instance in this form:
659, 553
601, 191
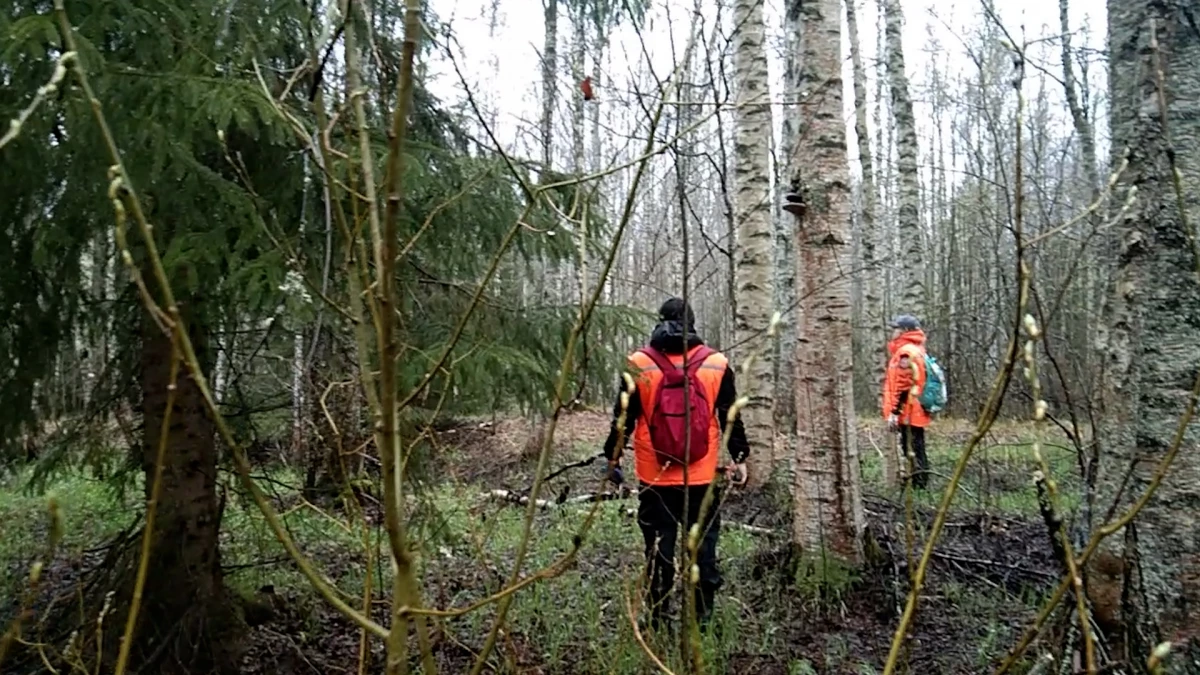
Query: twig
56, 78
405, 588
1051, 502
994, 563
12, 634
631, 612
559, 565
515, 497
1185, 419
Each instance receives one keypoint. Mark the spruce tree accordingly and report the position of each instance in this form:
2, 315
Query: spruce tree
222, 176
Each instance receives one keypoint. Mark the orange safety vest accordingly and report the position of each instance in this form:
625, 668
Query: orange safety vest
648, 378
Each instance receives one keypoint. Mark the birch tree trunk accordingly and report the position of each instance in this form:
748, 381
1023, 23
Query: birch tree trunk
578, 152
884, 168
98, 340
827, 493
1097, 273
298, 367
873, 324
549, 81
599, 53
911, 274
1154, 346
596, 151
752, 208
550, 276
785, 247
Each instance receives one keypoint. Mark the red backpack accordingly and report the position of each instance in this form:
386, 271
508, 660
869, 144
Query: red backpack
669, 427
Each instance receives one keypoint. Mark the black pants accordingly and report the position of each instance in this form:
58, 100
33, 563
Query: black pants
915, 436
660, 511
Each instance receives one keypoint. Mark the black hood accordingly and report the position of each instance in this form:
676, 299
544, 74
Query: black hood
668, 337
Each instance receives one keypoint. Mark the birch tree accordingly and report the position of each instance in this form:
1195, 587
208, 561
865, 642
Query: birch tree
785, 249
752, 208
910, 269
1096, 274
549, 81
827, 493
872, 311
1154, 347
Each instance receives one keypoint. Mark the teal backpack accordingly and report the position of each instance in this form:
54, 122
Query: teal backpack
933, 395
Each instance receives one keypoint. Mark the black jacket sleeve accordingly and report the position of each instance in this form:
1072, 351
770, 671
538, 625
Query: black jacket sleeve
739, 447
631, 417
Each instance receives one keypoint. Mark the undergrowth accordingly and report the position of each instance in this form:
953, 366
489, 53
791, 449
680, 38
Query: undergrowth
577, 622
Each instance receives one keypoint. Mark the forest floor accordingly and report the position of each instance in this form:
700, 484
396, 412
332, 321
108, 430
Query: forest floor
991, 567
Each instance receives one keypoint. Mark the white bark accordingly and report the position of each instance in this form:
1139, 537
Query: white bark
549, 80
827, 492
1154, 348
910, 265
298, 335
874, 336
752, 208
785, 247
578, 156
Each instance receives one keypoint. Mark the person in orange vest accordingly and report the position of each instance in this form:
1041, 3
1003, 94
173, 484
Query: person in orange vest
676, 455
903, 381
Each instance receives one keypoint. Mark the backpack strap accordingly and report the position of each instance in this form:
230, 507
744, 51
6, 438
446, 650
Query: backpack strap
670, 370
698, 359
660, 360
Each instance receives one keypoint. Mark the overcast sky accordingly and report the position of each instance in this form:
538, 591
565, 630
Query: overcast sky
504, 68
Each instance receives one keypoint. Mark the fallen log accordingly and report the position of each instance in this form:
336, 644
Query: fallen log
517, 498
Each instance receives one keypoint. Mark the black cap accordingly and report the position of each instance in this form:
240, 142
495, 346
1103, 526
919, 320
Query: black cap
675, 309
905, 322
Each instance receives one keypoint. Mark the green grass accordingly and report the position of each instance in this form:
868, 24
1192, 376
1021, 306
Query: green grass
998, 479
578, 618
575, 623
91, 513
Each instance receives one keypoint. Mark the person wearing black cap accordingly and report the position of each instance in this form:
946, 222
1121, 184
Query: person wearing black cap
903, 382
666, 475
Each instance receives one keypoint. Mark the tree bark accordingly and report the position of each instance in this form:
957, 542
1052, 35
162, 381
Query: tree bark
1098, 272
827, 492
188, 621
785, 250
576, 270
885, 169
550, 281
910, 266
873, 324
549, 81
752, 206
1153, 343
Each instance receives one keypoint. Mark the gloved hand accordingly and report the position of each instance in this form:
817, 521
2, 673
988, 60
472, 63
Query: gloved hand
739, 473
893, 422
614, 475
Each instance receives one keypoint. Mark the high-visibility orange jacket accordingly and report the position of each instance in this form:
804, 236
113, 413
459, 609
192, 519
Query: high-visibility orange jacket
905, 378
648, 378
717, 381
